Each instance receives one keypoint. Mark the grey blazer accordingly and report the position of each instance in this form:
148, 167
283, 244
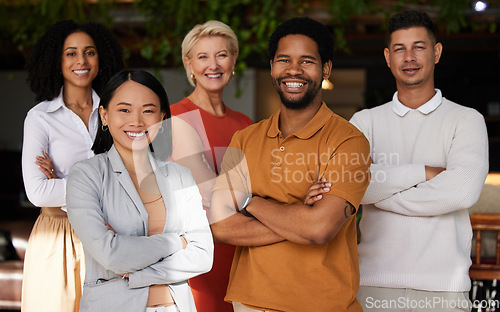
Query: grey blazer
100, 190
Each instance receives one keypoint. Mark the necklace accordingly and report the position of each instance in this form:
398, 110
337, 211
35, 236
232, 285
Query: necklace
77, 107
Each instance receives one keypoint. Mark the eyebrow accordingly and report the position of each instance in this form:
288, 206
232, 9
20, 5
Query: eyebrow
414, 42
87, 47
144, 105
302, 56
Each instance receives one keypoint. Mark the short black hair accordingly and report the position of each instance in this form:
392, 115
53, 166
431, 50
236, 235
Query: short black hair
307, 27
44, 61
162, 144
409, 19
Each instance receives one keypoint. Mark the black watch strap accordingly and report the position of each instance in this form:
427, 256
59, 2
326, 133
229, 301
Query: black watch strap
246, 213
243, 209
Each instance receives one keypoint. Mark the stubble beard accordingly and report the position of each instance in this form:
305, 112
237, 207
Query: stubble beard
304, 101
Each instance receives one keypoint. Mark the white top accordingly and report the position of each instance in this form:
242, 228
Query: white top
52, 127
417, 233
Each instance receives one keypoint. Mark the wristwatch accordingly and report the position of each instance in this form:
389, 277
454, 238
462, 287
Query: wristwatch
243, 209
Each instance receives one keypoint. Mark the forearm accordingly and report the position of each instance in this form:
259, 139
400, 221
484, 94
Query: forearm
240, 230
195, 259
451, 190
300, 223
387, 180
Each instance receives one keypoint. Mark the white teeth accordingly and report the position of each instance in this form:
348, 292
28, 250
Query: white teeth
214, 75
294, 84
81, 72
136, 134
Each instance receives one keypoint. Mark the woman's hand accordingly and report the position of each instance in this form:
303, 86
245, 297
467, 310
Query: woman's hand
316, 190
46, 165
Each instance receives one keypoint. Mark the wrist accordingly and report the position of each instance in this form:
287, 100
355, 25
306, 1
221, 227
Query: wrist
243, 209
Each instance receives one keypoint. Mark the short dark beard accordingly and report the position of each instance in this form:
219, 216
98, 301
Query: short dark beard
305, 101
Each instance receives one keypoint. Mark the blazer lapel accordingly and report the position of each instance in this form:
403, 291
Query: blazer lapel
125, 181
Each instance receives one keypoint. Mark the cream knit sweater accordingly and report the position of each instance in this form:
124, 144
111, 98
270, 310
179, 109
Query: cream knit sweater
416, 233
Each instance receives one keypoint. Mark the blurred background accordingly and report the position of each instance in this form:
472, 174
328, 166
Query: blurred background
151, 32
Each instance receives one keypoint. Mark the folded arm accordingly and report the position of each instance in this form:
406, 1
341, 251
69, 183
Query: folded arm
195, 259
229, 226
301, 223
456, 188
115, 252
41, 191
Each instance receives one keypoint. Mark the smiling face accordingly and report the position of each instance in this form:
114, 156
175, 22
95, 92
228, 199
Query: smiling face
411, 56
133, 117
211, 63
80, 61
297, 71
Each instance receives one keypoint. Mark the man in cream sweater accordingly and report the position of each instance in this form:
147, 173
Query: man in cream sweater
430, 160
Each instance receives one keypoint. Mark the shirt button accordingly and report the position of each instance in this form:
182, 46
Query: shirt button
282, 148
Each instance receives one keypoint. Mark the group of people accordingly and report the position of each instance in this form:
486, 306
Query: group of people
148, 206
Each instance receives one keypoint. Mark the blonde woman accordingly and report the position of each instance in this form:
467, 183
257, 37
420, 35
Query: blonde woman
202, 132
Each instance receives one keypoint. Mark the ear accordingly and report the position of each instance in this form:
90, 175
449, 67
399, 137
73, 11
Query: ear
104, 115
327, 70
188, 64
438, 49
387, 59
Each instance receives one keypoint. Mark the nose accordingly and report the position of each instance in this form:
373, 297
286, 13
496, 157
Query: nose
81, 58
136, 119
409, 55
213, 64
294, 69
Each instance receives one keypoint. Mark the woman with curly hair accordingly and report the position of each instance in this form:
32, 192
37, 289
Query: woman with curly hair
67, 69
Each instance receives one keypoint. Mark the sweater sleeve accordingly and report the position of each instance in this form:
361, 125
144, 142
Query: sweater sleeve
386, 180
459, 186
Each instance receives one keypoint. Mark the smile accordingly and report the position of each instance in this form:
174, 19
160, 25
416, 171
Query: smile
294, 84
214, 75
82, 72
136, 135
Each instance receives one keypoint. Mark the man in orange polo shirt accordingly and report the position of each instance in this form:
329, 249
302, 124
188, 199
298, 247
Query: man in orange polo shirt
292, 256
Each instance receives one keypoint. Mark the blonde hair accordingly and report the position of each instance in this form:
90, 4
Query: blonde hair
207, 29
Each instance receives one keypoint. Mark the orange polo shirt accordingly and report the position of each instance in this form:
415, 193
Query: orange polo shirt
287, 276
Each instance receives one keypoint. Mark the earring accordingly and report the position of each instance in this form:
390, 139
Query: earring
193, 79
233, 73
104, 127
326, 84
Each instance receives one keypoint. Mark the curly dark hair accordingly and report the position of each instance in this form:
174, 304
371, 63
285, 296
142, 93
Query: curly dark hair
307, 27
408, 19
44, 61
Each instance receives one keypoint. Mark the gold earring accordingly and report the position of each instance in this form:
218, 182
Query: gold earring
193, 79
326, 84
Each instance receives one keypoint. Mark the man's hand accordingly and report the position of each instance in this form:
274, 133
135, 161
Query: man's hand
316, 190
